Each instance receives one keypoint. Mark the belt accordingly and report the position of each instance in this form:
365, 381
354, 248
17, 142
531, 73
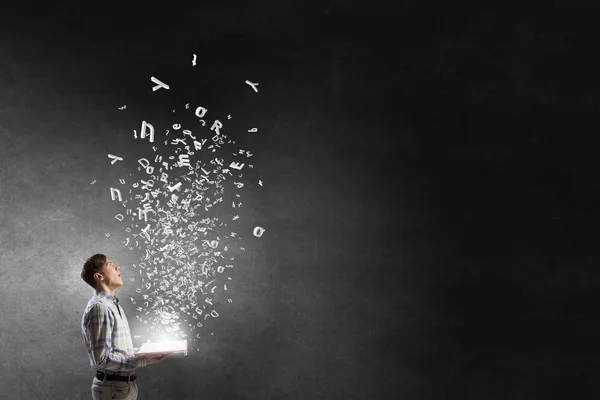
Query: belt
100, 375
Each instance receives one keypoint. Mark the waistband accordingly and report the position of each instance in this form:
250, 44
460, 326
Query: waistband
110, 377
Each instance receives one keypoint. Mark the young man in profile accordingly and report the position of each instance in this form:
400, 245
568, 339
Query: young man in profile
106, 334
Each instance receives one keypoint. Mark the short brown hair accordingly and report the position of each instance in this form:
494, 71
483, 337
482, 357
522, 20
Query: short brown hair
90, 267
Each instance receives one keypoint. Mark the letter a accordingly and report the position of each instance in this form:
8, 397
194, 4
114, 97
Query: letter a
200, 111
216, 126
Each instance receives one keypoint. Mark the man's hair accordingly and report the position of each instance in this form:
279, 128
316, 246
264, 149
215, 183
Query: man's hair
90, 267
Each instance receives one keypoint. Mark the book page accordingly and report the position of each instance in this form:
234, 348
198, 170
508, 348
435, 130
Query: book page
173, 347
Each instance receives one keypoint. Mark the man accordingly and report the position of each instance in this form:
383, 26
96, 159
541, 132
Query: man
106, 334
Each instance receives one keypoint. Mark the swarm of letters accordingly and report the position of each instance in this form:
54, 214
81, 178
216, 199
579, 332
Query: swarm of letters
179, 219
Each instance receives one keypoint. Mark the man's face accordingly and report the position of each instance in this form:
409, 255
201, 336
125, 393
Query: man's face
112, 275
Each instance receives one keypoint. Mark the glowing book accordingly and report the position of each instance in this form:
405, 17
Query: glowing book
171, 347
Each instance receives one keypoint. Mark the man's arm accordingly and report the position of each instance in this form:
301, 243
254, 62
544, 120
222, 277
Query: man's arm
99, 327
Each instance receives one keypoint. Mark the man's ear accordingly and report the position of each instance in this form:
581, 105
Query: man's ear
98, 276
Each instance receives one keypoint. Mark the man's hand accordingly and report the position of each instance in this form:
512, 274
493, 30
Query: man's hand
156, 358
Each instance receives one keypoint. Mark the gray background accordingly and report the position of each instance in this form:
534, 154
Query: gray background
428, 172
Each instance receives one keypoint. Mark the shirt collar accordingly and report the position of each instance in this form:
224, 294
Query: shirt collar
103, 294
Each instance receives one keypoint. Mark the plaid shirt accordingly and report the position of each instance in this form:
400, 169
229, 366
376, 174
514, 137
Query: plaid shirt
107, 337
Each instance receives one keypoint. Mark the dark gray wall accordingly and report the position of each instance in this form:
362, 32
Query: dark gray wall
428, 178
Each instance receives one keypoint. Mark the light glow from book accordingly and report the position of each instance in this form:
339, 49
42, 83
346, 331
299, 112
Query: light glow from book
164, 346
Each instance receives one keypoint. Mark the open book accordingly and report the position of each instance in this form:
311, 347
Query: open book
171, 347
